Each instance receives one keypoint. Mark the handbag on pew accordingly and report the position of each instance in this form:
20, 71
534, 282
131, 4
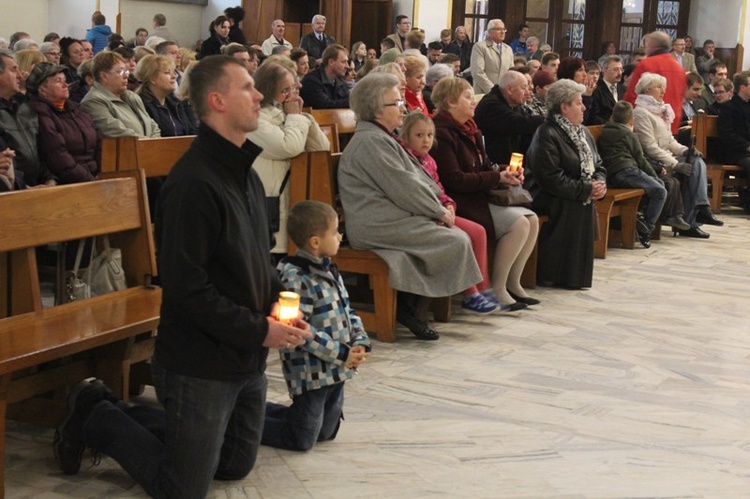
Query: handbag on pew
514, 195
105, 273
76, 288
273, 205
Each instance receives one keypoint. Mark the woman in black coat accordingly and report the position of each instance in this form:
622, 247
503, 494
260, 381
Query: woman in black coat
219, 36
564, 173
174, 116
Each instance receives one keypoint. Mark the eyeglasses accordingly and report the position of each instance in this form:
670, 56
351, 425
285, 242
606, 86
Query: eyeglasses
121, 72
503, 30
288, 90
398, 103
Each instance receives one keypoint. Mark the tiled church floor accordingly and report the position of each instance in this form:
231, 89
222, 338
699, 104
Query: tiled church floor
638, 387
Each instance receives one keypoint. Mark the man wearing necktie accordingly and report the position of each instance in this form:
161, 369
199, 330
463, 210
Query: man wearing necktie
609, 91
316, 41
490, 58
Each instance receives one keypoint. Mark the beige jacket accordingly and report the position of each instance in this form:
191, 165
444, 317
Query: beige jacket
488, 64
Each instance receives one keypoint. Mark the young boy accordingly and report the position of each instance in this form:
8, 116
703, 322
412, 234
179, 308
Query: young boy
316, 371
627, 167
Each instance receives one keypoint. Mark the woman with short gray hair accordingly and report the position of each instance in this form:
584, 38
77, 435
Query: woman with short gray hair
392, 208
564, 173
436, 73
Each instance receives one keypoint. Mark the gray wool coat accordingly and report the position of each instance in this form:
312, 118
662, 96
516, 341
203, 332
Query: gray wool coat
391, 207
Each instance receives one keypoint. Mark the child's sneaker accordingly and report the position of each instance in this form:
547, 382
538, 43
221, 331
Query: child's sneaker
479, 304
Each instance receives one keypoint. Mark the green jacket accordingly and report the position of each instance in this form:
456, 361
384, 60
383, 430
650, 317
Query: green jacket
620, 149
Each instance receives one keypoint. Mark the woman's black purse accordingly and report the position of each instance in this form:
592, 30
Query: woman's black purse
273, 206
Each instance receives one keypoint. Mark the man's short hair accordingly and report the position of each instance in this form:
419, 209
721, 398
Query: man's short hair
740, 79
51, 36
160, 19
708, 40
387, 42
332, 52
715, 67
125, 52
609, 60
510, 78
98, 18
401, 18
658, 39
724, 83
308, 219
318, 16
278, 49
206, 76
622, 112
639, 51
236, 14
592, 66
692, 78
233, 48
522, 26
445, 32
549, 56
448, 59
162, 47
435, 46
139, 30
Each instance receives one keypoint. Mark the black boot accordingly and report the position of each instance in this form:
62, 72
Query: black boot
706, 216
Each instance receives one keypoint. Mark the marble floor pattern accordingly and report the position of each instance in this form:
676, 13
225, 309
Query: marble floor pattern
638, 387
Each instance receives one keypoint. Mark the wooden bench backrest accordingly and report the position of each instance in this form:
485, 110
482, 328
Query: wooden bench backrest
116, 206
596, 131
331, 131
343, 118
155, 156
704, 127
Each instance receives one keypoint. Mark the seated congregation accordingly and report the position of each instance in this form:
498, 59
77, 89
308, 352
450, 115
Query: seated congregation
429, 182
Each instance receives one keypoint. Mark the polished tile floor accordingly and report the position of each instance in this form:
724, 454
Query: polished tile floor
638, 387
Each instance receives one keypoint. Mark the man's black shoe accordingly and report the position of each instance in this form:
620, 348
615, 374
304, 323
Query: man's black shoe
68, 444
706, 216
645, 240
695, 232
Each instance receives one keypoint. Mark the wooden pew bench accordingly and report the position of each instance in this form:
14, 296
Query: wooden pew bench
42, 349
719, 174
155, 156
622, 203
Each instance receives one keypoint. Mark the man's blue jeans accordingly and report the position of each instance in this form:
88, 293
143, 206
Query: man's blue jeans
212, 430
635, 178
695, 190
314, 416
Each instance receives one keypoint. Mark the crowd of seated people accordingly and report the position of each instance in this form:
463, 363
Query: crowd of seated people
139, 87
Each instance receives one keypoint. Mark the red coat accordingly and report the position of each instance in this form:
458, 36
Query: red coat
665, 65
415, 102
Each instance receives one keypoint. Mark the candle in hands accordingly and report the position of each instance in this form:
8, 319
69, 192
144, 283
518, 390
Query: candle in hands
516, 162
288, 307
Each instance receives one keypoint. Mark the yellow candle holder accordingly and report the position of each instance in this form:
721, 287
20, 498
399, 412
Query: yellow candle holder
516, 162
288, 306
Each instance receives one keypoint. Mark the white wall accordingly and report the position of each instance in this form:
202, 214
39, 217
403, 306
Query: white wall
726, 24
432, 16
32, 19
183, 20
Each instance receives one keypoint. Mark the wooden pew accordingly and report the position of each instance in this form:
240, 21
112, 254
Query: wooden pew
719, 174
622, 203
344, 119
42, 349
155, 156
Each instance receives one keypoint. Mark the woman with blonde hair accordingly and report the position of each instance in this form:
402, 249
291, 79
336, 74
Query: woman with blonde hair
186, 57
174, 117
468, 175
283, 132
26, 59
415, 83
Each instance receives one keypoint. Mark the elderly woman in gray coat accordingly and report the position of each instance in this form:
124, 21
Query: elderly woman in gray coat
392, 208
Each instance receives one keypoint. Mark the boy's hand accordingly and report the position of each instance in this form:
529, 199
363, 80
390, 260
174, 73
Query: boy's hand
357, 355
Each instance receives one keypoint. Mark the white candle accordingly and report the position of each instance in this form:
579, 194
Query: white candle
288, 306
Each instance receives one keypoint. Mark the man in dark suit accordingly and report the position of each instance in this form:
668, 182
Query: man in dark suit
316, 41
609, 91
461, 46
734, 123
716, 72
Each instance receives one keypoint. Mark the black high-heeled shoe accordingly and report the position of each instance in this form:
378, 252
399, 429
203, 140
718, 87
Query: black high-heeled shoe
524, 299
